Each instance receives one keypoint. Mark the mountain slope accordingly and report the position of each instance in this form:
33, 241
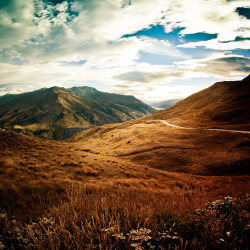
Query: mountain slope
124, 100
56, 113
224, 104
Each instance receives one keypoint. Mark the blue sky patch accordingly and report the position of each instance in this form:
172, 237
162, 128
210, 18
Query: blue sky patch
244, 12
197, 37
159, 33
174, 36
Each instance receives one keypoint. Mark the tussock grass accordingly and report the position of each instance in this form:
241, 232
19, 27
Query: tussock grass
111, 218
122, 206
86, 170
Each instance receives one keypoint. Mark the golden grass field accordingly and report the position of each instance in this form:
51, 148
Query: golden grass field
143, 155
120, 178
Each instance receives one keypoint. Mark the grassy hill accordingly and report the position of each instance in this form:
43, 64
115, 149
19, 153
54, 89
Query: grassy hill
156, 145
224, 105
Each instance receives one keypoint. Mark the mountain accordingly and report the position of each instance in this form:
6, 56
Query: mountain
164, 104
124, 100
59, 113
224, 104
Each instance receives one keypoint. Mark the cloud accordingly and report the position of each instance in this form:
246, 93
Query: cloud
83, 29
213, 17
92, 29
158, 92
110, 20
215, 44
149, 77
16, 22
167, 85
43, 42
160, 47
225, 67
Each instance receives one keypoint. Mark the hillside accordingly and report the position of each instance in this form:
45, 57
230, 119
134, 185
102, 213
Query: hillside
145, 156
224, 104
156, 145
196, 151
59, 113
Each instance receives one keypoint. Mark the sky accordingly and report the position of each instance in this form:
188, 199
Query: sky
155, 50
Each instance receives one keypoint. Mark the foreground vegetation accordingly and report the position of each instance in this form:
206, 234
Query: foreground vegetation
58, 195
91, 218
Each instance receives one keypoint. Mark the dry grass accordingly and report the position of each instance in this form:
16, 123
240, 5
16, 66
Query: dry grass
110, 218
46, 168
86, 170
223, 105
119, 197
156, 145
38, 167
137, 185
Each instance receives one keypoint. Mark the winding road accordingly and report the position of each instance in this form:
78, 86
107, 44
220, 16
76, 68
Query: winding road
210, 129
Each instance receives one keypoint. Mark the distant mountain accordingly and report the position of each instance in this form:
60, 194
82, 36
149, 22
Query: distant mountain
124, 100
224, 104
59, 113
164, 104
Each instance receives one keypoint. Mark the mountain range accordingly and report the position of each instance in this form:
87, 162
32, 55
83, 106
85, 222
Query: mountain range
59, 113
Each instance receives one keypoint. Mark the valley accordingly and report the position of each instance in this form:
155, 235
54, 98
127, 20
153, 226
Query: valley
146, 176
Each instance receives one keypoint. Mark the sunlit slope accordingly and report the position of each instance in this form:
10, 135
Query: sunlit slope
156, 145
224, 104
